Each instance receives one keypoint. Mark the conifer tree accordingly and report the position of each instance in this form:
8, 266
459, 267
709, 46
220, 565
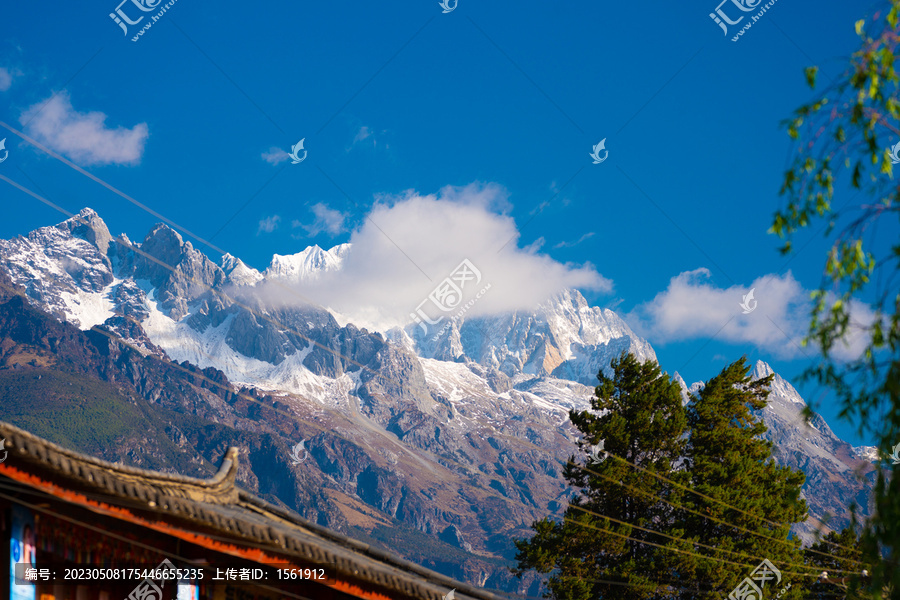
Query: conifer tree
835, 554
637, 415
730, 462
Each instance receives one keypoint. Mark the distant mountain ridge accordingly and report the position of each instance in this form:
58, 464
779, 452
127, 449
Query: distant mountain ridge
460, 435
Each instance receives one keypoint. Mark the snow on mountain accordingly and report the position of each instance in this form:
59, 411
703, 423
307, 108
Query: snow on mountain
866, 453
685, 394
65, 268
562, 337
238, 273
779, 387
462, 388
307, 264
835, 473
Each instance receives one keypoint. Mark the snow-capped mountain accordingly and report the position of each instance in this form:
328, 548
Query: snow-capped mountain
562, 337
306, 265
238, 273
429, 427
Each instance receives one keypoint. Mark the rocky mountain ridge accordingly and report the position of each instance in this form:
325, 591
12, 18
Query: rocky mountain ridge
459, 435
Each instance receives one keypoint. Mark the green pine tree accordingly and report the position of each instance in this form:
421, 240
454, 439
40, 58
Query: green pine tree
641, 419
835, 554
730, 462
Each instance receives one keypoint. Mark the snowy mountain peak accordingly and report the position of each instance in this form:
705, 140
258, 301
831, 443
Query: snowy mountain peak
86, 213
229, 262
562, 337
239, 273
307, 264
779, 389
88, 225
685, 393
761, 370
161, 232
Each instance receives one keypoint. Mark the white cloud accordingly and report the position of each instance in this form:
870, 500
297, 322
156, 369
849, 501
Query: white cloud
269, 224
84, 137
409, 244
275, 156
535, 246
576, 242
5, 79
691, 308
327, 219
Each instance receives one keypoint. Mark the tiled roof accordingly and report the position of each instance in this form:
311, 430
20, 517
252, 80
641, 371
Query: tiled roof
217, 505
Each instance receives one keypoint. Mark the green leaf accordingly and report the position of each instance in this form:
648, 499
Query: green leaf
811, 73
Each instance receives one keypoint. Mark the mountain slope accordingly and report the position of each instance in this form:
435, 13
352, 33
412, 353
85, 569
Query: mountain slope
835, 474
460, 436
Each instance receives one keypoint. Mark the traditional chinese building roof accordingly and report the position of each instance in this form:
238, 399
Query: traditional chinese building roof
217, 514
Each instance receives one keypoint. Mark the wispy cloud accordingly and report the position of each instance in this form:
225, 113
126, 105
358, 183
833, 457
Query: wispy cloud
84, 137
268, 225
691, 308
409, 243
6, 79
365, 136
363, 133
535, 246
275, 156
575, 243
327, 219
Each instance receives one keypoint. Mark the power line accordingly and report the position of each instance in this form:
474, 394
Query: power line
698, 513
678, 539
702, 495
679, 550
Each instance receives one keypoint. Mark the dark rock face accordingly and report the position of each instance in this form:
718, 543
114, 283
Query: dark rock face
257, 338
452, 535
179, 273
88, 226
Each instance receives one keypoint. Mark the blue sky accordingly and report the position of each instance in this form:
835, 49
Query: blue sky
392, 97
